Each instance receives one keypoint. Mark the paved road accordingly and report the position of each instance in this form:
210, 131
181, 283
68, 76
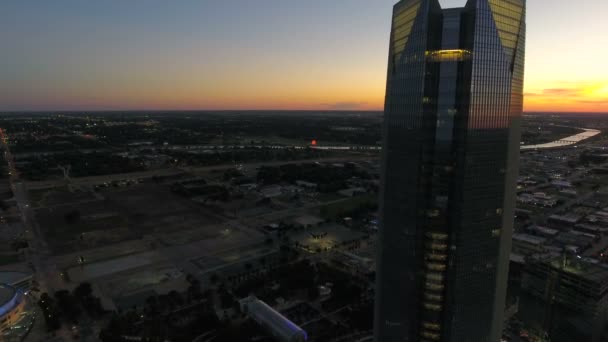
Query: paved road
46, 273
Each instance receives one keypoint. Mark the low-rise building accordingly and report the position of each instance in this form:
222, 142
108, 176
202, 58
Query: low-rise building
12, 305
591, 229
569, 193
538, 199
305, 184
561, 184
307, 221
526, 244
565, 220
566, 297
352, 192
573, 239
271, 191
543, 231
327, 237
274, 322
18, 280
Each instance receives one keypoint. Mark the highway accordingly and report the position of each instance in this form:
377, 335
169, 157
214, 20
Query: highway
176, 171
565, 142
45, 271
38, 253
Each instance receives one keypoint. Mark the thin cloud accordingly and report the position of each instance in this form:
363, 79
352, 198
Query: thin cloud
563, 91
345, 105
598, 101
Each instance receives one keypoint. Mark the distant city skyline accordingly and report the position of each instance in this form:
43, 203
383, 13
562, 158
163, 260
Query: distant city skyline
271, 54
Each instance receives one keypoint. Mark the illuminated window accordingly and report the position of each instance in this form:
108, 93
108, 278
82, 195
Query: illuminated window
431, 326
433, 297
403, 21
434, 276
496, 232
508, 17
437, 257
431, 335
437, 236
432, 213
438, 246
434, 287
432, 307
456, 55
435, 266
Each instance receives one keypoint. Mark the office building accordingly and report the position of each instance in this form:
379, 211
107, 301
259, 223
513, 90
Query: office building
565, 298
450, 163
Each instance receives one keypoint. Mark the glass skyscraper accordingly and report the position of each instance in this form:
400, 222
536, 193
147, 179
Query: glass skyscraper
450, 163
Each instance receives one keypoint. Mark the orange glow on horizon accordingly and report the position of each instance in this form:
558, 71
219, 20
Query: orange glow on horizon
558, 97
276, 55
270, 89
568, 97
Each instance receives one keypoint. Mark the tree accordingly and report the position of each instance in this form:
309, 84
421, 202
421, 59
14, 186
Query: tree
67, 304
119, 325
83, 294
50, 312
194, 290
313, 292
176, 298
151, 306
83, 290
226, 299
72, 217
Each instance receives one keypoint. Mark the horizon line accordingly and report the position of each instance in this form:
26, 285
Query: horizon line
54, 111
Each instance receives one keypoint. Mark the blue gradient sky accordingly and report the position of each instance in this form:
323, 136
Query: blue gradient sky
244, 54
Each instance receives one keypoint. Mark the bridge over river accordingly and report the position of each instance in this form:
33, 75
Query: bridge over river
568, 141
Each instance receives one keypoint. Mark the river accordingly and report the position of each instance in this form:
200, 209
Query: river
568, 141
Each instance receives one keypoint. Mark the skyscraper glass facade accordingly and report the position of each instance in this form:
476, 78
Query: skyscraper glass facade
451, 145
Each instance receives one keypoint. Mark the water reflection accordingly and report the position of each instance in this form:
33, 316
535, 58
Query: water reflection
571, 140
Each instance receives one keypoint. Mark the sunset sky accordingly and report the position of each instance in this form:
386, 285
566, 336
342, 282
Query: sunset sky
259, 54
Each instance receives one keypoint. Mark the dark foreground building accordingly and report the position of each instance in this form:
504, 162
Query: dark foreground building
566, 298
450, 157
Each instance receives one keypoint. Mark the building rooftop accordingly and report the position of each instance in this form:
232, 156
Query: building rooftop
324, 237
516, 258
570, 218
535, 240
308, 220
594, 272
6, 294
12, 277
277, 324
544, 230
9, 299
